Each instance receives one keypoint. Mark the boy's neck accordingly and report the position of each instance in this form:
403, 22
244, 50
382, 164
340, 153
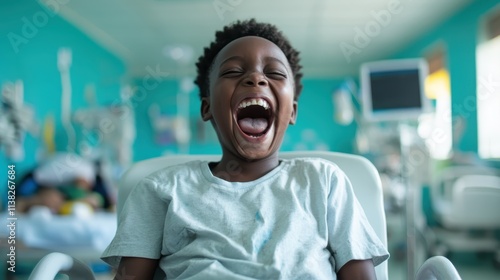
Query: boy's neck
234, 169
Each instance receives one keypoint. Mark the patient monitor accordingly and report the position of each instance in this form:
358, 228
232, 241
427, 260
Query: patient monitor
393, 90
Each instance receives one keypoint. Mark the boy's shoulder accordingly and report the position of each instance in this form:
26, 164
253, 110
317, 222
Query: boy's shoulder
170, 171
317, 172
313, 163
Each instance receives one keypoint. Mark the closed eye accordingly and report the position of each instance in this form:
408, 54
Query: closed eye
276, 75
231, 73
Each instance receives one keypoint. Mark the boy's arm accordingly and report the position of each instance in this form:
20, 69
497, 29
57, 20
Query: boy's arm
136, 268
357, 270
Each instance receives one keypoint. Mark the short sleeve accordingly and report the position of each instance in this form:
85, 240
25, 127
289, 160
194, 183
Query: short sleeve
140, 225
350, 235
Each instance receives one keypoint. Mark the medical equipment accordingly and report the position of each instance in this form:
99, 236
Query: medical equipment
393, 90
16, 119
108, 132
64, 59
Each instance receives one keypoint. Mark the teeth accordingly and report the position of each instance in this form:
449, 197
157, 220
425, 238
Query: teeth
255, 101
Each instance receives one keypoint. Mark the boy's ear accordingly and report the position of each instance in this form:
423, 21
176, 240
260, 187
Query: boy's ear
206, 113
293, 117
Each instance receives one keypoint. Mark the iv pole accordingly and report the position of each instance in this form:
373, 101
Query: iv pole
64, 63
405, 138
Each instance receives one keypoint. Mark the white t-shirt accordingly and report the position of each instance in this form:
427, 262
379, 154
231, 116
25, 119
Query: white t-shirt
299, 221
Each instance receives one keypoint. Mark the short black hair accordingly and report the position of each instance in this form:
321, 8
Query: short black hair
242, 29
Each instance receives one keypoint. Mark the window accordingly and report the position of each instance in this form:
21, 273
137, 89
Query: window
488, 89
436, 128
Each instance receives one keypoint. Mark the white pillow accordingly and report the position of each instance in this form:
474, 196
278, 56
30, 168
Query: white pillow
64, 168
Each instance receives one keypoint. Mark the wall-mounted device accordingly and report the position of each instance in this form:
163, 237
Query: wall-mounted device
393, 90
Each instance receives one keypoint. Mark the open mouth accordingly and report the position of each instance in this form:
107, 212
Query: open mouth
254, 117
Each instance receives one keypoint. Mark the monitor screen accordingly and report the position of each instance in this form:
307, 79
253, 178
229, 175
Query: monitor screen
393, 89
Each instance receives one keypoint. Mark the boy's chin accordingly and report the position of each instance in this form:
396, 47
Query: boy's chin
258, 153
256, 148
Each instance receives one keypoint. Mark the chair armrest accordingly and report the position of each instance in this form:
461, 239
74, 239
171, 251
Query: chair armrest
52, 264
437, 267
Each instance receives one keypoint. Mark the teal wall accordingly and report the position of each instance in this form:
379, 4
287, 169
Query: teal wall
459, 35
315, 127
30, 36
316, 113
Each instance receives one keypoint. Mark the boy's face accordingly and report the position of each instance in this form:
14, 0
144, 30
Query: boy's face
251, 98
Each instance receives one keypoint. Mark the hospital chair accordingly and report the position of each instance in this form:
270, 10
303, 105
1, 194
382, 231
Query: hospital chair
467, 211
361, 172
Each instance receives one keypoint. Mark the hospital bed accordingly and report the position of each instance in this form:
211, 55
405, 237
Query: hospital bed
466, 204
82, 232
40, 233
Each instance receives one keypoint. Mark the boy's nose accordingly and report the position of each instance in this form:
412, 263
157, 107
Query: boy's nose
255, 79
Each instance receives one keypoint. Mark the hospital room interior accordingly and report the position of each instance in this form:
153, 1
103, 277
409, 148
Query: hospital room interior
91, 88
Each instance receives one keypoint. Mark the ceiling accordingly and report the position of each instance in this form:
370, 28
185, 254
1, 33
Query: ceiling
171, 34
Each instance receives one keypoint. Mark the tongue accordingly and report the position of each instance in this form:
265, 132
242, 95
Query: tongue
253, 126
